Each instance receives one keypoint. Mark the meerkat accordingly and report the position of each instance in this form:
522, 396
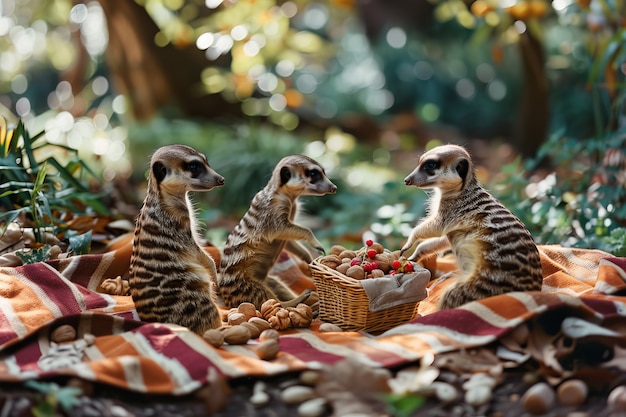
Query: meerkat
172, 279
495, 252
253, 247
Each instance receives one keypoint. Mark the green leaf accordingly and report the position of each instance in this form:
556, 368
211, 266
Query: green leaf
79, 244
35, 255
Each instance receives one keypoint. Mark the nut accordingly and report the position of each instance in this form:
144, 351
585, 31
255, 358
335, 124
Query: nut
329, 327
377, 273
254, 331
268, 349
63, 333
269, 334
347, 254
214, 337
343, 268
356, 272
297, 394
247, 309
237, 335
260, 323
572, 392
269, 308
330, 261
236, 318
336, 249
539, 398
617, 399
280, 321
301, 315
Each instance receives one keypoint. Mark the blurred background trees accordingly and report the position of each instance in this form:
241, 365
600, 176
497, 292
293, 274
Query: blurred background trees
364, 86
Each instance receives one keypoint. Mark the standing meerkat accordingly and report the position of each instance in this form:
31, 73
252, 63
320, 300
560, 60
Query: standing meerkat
266, 229
495, 252
171, 276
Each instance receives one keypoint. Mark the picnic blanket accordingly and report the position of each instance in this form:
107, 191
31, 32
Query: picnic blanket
114, 347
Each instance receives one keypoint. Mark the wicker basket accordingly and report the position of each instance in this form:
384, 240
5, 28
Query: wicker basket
344, 302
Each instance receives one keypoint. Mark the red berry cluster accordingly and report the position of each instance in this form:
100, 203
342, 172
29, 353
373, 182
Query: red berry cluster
400, 266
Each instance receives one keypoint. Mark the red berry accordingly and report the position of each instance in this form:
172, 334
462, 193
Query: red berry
396, 264
372, 253
393, 272
374, 265
369, 242
367, 267
355, 261
408, 267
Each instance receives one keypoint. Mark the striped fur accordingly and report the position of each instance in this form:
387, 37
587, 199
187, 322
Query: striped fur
171, 276
266, 229
495, 252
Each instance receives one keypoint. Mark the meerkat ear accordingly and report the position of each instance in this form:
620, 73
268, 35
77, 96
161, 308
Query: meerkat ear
462, 168
285, 175
159, 171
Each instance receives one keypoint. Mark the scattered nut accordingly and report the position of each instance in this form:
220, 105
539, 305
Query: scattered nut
268, 349
269, 334
248, 310
236, 318
280, 321
617, 399
301, 315
214, 337
254, 331
478, 395
539, 398
314, 407
237, 335
63, 333
572, 392
343, 268
260, 323
297, 394
310, 377
329, 327
259, 396
479, 379
269, 308
445, 392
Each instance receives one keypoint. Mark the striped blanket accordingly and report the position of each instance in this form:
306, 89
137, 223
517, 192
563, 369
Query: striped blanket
114, 347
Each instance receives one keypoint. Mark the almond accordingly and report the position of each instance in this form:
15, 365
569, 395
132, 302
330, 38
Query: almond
237, 335
214, 337
254, 331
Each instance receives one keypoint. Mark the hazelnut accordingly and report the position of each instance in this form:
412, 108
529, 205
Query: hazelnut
63, 333
268, 349
247, 309
214, 337
356, 272
539, 398
343, 268
572, 392
336, 249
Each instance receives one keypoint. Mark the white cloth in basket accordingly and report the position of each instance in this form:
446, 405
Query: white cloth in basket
393, 290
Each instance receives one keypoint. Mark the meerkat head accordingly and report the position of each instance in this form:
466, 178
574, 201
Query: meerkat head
301, 175
447, 167
178, 169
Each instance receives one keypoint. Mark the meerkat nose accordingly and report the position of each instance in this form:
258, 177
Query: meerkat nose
408, 181
220, 181
333, 189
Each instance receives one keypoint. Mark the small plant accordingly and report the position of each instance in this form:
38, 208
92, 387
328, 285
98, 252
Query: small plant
39, 191
53, 396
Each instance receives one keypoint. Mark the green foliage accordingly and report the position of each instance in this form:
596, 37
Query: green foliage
580, 203
36, 188
52, 397
403, 405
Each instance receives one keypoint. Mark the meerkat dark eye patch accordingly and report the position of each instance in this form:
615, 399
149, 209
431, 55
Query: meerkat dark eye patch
195, 168
314, 175
285, 175
430, 166
159, 171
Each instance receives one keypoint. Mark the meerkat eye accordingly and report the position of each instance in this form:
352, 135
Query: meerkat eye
314, 174
431, 165
195, 168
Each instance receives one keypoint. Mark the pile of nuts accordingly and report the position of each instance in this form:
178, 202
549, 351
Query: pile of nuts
371, 261
246, 322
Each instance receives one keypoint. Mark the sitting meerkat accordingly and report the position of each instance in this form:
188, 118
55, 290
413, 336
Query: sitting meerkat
172, 277
495, 252
253, 247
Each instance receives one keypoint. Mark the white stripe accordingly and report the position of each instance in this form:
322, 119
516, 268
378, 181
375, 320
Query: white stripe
132, 372
78, 296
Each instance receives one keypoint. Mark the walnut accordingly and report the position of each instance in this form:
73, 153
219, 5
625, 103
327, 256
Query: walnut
115, 286
280, 320
270, 308
301, 315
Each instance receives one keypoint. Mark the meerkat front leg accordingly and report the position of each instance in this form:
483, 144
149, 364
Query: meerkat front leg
293, 232
429, 247
425, 230
300, 251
